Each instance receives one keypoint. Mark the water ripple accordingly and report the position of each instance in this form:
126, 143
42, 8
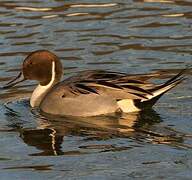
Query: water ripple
134, 36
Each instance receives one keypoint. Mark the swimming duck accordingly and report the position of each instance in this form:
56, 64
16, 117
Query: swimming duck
89, 93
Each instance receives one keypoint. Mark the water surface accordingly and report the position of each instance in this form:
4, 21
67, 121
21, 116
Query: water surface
150, 37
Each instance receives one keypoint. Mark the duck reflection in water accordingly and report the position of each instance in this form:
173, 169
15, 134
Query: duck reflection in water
50, 133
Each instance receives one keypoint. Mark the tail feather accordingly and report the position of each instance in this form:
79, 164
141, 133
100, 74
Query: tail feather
163, 88
174, 78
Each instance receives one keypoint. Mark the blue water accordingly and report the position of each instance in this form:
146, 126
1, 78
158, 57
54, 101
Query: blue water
150, 37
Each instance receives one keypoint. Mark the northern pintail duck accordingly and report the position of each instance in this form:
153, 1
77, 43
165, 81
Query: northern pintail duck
89, 93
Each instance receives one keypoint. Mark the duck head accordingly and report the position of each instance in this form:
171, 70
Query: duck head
38, 66
42, 66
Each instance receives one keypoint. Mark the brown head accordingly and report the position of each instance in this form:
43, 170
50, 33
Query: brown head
38, 66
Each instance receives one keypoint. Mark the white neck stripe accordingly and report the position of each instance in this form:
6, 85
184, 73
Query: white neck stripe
52, 75
40, 91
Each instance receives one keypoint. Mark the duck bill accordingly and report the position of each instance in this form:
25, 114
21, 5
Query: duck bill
18, 79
